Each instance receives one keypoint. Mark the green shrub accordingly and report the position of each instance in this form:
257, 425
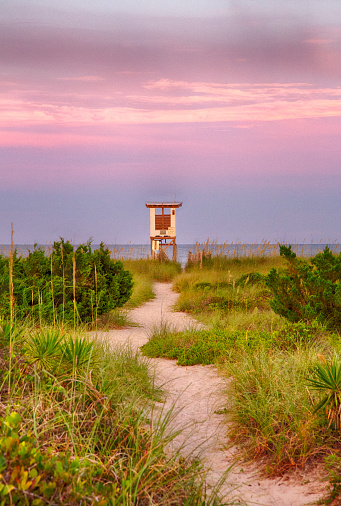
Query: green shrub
33, 476
251, 278
308, 291
206, 346
69, 285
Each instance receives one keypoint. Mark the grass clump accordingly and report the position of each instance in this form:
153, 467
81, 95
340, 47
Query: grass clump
116, 319
157, 271
188, 347
203, 291
271, 408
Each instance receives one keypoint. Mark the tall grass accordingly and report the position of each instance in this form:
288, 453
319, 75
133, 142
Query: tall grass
270, 403
239, 250
145, 273
11, 298
211, 252
157, 271
77, 427
271, 408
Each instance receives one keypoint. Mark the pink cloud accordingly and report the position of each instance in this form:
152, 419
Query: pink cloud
194, 102
319, 41
136, 74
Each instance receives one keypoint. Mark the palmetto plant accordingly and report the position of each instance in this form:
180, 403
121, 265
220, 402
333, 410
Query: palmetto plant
327, 379
44, 348
10, 333
77, 352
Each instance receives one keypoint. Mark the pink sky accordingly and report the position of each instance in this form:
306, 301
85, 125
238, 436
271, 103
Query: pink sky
234, 108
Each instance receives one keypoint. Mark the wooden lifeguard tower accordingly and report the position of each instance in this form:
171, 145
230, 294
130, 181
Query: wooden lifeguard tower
162, 228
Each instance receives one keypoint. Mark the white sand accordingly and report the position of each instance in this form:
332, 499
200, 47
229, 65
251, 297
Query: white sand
196, 392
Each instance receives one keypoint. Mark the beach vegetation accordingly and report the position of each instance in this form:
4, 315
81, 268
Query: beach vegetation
307, 290
78, 426
69, 285
145, 272
282, 374
326, 378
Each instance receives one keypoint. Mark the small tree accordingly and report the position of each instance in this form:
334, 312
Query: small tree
307, 290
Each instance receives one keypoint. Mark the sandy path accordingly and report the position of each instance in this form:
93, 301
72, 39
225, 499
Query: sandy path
197, 392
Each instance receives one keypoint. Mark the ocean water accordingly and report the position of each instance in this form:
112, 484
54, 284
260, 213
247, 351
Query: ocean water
231, 250
238, 250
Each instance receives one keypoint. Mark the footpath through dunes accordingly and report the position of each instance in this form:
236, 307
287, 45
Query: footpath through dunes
197, 393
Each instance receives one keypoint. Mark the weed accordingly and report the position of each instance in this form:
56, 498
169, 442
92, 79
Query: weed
333, 466
115, 319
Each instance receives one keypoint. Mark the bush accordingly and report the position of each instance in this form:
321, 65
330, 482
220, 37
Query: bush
251, 278
307, 291
207, 346
32, 476
70, 284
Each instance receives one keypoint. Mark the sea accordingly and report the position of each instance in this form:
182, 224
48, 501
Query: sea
236, 250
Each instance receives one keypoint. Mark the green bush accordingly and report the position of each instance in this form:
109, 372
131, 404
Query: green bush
32, 476
71, 284
206, 346
307, 291
251, 278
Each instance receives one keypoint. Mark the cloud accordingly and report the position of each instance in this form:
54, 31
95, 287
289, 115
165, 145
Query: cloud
318, 41
244, 67
167, 101
248, 44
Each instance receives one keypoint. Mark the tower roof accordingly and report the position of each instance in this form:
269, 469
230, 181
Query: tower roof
164, 204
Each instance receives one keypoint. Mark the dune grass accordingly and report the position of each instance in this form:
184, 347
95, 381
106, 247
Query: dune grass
145, 272
271, 408
270, 404
75, 426
225, 287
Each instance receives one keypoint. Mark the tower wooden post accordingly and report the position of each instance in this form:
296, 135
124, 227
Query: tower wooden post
162, 228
